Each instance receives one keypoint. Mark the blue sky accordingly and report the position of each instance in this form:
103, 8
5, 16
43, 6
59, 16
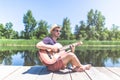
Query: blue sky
54, 11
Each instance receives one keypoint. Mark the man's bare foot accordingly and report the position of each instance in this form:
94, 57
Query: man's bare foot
82, 68
78, 69
86, 67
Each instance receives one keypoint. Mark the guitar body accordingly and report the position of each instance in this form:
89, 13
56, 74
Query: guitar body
48, 57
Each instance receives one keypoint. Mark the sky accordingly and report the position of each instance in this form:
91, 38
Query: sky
54, 11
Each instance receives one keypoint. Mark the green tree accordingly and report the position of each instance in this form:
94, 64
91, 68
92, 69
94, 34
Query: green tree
2, 30
97, 20
77, 32
22, 34
30, 24
90, 18
41, 31
115, 32
100, 22
66, 30
15, 35
90, 22
80, 31
8, 30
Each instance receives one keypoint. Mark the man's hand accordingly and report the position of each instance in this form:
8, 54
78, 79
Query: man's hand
54, 49
72, 47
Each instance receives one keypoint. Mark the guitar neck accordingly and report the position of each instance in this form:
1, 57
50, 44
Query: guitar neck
65, 47
68, 46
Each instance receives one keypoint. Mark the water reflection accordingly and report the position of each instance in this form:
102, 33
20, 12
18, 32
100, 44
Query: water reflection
19, 57
102, 57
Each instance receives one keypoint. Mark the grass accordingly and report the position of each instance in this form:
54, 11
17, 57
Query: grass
17, 42
94, 43
102, 42
23, 42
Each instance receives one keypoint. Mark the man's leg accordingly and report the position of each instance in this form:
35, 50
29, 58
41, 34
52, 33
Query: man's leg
72, 58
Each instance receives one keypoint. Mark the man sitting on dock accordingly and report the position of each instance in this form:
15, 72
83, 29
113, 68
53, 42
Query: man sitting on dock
60, 58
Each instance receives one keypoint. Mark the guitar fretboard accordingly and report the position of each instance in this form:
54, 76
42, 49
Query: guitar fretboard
68, 46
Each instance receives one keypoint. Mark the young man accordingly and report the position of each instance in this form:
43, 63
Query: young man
63, 58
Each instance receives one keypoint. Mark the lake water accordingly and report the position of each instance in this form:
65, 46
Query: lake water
101, 57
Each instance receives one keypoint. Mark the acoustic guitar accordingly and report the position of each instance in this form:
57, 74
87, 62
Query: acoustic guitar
48, 57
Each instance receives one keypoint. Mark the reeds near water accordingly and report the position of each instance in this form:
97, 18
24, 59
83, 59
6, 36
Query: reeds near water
23, 42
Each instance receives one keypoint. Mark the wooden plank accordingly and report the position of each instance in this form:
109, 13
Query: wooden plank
5, 71
61, 75
45, 74
108, 73
25, 73
95, 74
41, 72
79, 76
115, 70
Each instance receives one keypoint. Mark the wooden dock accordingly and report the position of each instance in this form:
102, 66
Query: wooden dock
41, 73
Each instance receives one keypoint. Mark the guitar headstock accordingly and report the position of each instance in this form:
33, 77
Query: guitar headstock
80, 43
77, 43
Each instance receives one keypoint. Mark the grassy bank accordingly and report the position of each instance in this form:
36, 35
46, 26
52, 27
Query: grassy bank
92, 42
17, 42
23, 42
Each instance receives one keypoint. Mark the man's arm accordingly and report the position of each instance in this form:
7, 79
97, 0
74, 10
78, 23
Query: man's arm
42, 45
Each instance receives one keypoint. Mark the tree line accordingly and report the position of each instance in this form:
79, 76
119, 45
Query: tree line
91, 29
